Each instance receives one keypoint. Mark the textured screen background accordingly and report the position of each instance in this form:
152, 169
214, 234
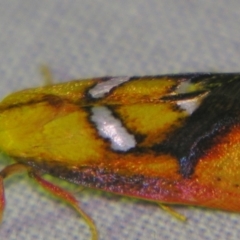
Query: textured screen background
104, 37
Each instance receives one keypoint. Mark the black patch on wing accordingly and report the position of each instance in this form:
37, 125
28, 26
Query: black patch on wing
216, 115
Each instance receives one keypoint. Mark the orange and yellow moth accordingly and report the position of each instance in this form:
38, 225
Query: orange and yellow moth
171, 139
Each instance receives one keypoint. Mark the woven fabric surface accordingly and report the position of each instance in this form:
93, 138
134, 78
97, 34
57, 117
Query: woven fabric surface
80, 39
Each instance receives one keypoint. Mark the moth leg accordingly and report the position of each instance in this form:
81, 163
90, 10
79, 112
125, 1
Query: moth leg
6, 172
47, 75
174, 213
79, 189
69, 198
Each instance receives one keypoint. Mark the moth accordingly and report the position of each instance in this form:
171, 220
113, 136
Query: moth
173, 139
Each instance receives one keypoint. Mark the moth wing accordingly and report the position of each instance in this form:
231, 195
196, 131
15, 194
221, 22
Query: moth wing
166, 141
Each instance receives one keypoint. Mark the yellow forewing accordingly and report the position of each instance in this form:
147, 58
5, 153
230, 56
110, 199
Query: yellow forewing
52, 128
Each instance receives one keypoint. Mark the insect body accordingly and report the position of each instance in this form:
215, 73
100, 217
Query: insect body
170, 139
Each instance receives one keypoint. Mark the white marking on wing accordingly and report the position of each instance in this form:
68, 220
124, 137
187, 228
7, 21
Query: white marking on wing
189, 105
111, 128
99, 90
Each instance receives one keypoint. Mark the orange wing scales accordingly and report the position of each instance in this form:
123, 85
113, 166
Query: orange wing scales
172, 138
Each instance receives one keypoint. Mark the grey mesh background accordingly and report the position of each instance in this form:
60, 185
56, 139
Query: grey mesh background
96, 38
